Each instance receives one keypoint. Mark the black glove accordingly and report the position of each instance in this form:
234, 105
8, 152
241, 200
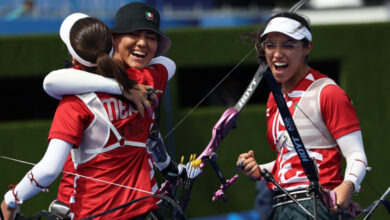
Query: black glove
171, 172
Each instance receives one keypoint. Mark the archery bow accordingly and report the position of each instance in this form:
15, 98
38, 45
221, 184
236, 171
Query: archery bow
220, 130
376, 203
228, 121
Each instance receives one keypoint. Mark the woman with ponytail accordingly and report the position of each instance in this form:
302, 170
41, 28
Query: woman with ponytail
103, 132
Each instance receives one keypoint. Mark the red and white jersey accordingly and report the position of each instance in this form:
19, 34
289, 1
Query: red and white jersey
337, 114
128, 166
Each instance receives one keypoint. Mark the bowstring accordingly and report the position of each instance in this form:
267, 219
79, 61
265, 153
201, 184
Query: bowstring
293, 9
298, 5
78, 175
184, 118
209, 93
311, 121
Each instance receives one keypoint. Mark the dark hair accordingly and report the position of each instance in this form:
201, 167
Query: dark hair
131, 17
258, 40
91, 40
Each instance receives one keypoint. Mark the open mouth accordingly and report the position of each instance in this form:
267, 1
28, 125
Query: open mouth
280, 65
138, 54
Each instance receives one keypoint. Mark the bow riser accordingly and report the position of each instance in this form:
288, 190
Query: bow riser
220, 130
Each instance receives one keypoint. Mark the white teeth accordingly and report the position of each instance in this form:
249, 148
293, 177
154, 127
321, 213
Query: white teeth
279, 64
138, 53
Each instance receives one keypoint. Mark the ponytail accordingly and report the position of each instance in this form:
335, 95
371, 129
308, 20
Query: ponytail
109, 68
91, 39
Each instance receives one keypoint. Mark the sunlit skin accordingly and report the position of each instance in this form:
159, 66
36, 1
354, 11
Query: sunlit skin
135, 49
296, 68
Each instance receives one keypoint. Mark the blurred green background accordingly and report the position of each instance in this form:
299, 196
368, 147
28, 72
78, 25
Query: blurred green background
358, 53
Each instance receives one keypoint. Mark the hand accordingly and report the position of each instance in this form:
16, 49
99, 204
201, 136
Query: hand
171, 172
139, 96
343, 197
9, 213
249, 165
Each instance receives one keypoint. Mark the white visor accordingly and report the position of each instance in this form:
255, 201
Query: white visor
289, 27
66, 26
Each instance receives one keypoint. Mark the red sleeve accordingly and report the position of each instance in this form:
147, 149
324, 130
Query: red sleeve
65, 188
338, 112
159, 74
72, 117
155, 76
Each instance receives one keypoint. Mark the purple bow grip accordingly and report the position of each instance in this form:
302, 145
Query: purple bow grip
220, 130
329, 198
220, 194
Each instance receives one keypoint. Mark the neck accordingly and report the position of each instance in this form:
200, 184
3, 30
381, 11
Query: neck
118, 60
291, 84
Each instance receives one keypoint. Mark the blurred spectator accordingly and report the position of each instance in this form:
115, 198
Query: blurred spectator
21, 11
263, 200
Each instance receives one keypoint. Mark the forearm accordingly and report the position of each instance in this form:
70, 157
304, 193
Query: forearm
41, 175
71, 81
351, 146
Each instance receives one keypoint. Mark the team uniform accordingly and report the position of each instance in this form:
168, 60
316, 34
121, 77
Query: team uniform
105, 135
337, 117
130, 166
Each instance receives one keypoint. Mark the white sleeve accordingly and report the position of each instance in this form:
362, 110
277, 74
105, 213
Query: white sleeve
43, 173
167, 63
71, 81
351, 146
268, 166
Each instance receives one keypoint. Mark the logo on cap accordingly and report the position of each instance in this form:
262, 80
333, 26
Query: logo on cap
149, 16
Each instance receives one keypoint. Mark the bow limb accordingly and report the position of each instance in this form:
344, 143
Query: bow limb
221, 129
228, 119
230, 116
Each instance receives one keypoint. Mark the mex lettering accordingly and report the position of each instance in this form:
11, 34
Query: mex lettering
119, 110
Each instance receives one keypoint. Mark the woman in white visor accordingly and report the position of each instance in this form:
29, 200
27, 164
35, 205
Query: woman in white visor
323, 113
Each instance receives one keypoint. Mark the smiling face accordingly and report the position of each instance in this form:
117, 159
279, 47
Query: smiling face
287, 63
135, 49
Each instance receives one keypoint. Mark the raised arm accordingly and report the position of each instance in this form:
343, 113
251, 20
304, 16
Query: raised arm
71, 81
